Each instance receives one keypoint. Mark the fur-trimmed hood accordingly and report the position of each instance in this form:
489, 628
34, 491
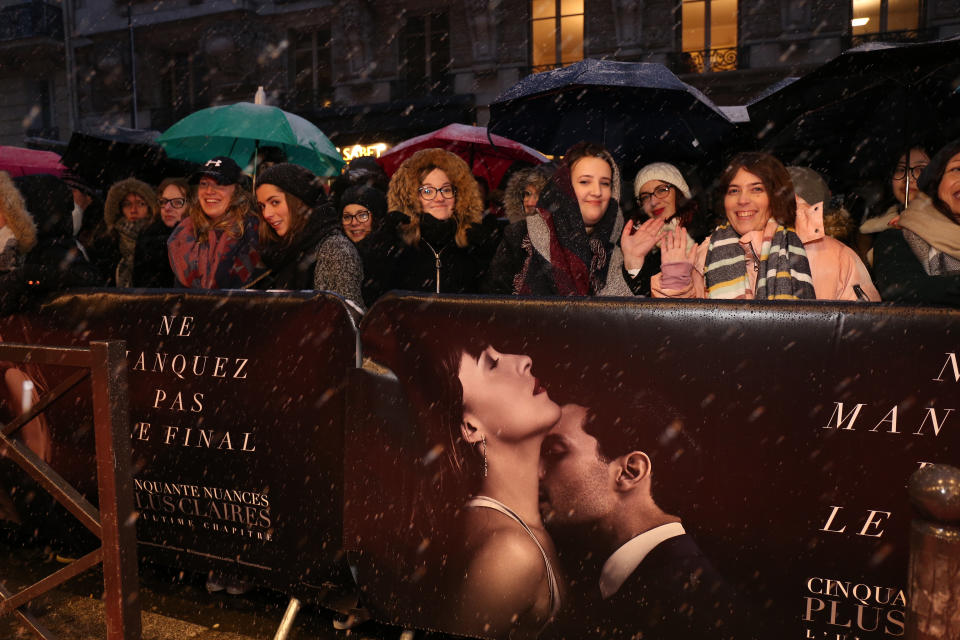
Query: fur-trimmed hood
112, 207
513, 195
402, 195
14, 212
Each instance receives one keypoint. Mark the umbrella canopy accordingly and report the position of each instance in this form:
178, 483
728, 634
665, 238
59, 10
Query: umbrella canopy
489, 156
640, 111
238, 130
103, 158
18, 161
853, 116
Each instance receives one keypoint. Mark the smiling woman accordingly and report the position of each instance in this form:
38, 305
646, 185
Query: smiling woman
570, 245
302, 242
435, 237
216, 245
760, 251
920, 261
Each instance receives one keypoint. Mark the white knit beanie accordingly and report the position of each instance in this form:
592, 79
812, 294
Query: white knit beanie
664, 172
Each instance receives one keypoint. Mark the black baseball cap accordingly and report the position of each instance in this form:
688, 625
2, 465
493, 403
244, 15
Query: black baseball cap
222, 169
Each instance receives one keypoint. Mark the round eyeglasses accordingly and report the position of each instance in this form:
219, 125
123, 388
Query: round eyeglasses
362, 216
660, 192
176, 203
430, 193
900, 172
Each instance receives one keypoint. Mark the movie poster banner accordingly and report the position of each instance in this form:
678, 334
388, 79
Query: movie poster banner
236, 409
762, 451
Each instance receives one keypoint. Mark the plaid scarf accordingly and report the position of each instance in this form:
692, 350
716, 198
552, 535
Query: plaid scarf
783, 272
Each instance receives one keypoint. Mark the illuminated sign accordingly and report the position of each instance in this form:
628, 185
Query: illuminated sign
359, 150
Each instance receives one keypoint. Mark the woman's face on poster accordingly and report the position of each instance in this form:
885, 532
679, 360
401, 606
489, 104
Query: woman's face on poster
502, 397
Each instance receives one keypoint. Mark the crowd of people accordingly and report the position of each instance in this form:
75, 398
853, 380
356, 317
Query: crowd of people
568, 228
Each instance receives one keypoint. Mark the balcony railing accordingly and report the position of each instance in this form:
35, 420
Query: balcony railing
909, 35
707, 60
31, 20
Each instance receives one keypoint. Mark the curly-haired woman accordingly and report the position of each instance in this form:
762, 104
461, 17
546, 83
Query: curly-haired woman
438, 239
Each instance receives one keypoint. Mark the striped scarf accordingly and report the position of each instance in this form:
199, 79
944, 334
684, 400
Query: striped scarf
783, 272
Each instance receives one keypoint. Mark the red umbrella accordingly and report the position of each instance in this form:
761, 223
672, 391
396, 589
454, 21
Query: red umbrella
18, 161
489, 156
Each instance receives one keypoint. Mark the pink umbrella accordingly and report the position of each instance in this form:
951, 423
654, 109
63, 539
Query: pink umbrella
18, 161
489, 156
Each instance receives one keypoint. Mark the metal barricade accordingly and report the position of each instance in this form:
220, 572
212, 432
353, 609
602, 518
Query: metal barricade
115, 522
933, 600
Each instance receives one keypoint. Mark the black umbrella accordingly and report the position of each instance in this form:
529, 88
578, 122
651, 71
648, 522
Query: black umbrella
851, 117
105, 158
641, 111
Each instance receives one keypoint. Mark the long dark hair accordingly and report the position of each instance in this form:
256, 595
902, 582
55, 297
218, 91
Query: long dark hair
776, 180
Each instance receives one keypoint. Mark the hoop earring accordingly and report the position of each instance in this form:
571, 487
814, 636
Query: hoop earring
483, 443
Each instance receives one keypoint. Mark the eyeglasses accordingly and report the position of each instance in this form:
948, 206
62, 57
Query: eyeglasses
362, 216
660, 192
430, 193
900, 173
176, 203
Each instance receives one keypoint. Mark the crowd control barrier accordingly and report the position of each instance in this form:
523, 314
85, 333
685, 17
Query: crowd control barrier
261, 448
102, 364
799, 425
236, 425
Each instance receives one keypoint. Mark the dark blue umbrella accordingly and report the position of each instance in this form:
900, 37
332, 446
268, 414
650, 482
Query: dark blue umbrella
853, 116
641, 111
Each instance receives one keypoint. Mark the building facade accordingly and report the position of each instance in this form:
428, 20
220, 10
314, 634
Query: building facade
370, 71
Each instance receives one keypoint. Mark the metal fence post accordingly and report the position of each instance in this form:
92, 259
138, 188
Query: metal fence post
933, 600
108, 375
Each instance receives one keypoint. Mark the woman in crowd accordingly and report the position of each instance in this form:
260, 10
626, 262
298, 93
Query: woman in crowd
301, 240
903, 176
523, 191
438, 237
825, 252
919, 263
478, 503
18, 235
216, 245
569, 247
129, 211
173, 198
757, 253
667, 203
362, 213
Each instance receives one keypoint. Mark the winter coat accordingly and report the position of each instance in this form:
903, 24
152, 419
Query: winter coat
151, 265
18, 236
415, 249
835, 268
898, 270
550, 253
222, 262
57, 262
320, 257
125, 234
393, 264
513, 194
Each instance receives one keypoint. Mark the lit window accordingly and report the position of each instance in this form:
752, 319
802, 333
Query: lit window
557, 33
710, 34
882, 16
